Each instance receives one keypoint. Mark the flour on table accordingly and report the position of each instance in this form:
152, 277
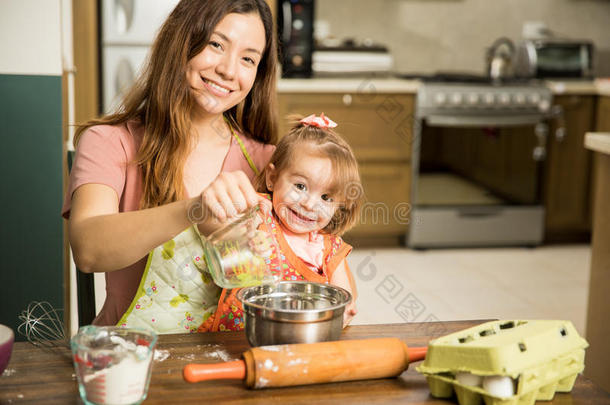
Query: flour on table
161, 355
188, 357
8, 372
210, 351
219, 354
214, 351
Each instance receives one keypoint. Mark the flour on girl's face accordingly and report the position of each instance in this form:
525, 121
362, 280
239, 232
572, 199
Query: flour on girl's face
302, 196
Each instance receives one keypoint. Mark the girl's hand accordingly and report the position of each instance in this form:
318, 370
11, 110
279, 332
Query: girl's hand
350, 312
230, 194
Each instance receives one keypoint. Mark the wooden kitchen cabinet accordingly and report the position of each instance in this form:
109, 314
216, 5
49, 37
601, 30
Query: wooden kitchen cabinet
603, 114
602, 124
386, 212
379, 128
597, 362
567, 185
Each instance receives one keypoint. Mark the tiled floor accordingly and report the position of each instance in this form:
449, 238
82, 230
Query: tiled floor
398, 285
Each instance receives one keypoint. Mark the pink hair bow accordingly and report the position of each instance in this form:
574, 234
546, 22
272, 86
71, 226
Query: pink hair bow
320, 122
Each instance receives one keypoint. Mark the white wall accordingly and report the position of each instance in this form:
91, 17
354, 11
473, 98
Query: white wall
30, 37
432, 35
36, 39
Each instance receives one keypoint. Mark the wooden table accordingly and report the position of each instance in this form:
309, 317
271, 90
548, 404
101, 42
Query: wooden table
38, 376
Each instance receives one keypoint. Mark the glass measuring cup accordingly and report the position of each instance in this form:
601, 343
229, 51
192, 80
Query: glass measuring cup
238, 255
113, 364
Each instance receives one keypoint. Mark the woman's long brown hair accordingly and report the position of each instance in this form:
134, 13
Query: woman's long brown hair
161, 99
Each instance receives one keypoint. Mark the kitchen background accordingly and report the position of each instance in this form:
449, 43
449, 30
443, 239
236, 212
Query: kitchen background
32, 121
427, 36
37, 76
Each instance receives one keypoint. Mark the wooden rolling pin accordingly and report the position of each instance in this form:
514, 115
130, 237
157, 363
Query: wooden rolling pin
313, 363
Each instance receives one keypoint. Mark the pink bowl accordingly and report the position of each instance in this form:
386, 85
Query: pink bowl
6, 346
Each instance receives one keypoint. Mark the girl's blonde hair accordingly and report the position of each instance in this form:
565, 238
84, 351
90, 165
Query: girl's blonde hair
346, 186
161, 99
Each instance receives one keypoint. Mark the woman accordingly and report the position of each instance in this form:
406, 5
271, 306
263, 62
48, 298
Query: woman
183, 146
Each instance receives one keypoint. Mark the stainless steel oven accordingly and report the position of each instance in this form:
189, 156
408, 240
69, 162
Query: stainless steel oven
478, 156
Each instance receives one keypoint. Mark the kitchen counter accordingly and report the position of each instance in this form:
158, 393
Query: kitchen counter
598, 142
40, 376
603, 87
581, 87
348, 85
404, 86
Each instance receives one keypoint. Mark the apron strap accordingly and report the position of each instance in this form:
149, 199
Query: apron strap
242, 147
219, 310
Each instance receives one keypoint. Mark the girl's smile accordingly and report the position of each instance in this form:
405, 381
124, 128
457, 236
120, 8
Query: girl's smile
299, 217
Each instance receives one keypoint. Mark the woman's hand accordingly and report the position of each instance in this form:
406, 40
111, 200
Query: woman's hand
230, 194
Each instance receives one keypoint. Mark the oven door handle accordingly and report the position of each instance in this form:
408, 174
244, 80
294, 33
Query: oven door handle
479, 212
482, 121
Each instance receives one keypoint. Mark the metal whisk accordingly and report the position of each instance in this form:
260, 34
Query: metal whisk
42, 325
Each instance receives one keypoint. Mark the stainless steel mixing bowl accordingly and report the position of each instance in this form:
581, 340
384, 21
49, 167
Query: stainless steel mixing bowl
293, 312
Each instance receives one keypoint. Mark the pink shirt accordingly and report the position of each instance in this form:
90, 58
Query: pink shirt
310, 249
103, 156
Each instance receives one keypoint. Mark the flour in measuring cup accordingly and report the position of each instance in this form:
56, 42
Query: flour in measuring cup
122, 383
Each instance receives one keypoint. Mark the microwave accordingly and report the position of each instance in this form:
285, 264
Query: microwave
554, 58
295, 35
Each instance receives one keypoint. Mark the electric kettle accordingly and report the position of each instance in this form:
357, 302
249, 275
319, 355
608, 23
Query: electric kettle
500, 59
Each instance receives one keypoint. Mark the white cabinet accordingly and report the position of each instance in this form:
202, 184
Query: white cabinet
129, 28
122, 64
133, 22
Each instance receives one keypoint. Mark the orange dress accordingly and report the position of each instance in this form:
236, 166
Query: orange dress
285, 263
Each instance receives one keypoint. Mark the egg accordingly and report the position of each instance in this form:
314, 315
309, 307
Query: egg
469, 379
499, 386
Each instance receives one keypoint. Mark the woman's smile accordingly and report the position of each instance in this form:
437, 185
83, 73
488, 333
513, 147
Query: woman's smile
223, 73
216, 88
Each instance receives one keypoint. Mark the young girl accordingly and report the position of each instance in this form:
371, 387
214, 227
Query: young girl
313, 182
182, 148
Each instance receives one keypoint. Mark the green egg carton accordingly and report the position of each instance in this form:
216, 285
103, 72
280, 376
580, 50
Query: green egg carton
541, 356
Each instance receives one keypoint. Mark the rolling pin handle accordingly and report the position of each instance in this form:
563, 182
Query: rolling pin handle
417, 353
231, 370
